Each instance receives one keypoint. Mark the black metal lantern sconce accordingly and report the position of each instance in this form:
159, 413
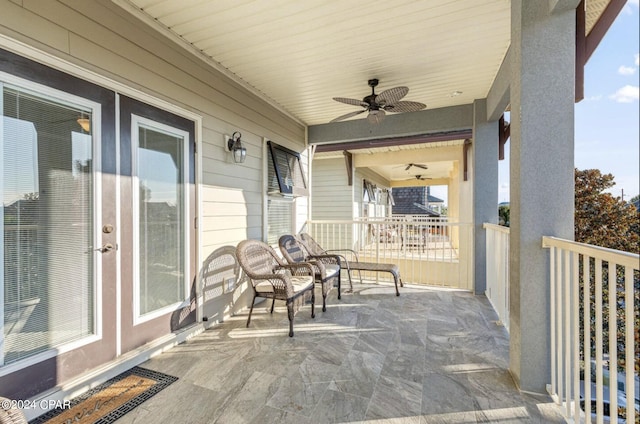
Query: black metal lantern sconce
234, 145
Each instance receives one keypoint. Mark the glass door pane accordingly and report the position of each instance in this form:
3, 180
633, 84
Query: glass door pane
161, 209
47, 218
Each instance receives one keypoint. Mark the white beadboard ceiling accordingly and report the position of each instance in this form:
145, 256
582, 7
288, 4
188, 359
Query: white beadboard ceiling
301, 54
298, 55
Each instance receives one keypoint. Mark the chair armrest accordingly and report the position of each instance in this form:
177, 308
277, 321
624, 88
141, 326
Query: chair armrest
353, 252
298, 268
327, 259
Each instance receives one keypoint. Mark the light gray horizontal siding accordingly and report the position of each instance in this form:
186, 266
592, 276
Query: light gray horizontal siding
101, 37
332, 196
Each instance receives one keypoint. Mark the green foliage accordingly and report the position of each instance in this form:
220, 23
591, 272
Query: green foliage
600, 218
504, 215
607, 221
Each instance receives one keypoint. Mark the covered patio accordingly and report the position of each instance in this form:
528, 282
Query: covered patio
428, 356
229, 94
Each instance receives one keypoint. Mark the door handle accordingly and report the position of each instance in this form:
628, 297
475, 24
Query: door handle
106, 248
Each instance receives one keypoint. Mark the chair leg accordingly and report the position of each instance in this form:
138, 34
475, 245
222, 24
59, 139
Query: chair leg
339, 283
251, 309
291, 315
395, 279
326, 287
273, 303
313, 303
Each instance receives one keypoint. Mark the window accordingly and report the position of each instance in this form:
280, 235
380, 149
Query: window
48, 163
160, 153
369, 191
285, 174
280, 219
285, 181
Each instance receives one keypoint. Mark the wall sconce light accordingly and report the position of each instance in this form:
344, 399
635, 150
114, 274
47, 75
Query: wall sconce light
234, 145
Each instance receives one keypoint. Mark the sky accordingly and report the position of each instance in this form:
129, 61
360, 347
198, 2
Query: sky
606, 121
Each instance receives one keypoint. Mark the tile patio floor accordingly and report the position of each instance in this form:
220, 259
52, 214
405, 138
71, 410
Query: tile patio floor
428, 356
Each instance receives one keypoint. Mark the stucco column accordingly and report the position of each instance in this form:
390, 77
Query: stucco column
485, 186
541, 174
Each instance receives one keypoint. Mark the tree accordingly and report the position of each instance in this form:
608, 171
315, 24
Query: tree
504, 215
600, 218
607, 221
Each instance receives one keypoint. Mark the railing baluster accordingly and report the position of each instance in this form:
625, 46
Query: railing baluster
559, 315
629, 365
552, 320
613, 342
566, 282
598, 346
586, 281
575, 325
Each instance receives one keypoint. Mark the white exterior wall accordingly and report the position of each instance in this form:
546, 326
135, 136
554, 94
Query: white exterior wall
97, 41
332, 195
100, 37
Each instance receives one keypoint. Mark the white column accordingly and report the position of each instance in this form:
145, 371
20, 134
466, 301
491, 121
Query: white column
485, 186
541, 174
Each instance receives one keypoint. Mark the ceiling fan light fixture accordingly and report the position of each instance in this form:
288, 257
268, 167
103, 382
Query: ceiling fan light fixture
85, 123
376, 116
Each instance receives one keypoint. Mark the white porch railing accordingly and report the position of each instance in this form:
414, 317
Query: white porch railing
497, 270
427, 251
583, 277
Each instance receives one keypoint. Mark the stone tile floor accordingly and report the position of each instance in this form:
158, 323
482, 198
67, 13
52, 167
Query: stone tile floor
428, 356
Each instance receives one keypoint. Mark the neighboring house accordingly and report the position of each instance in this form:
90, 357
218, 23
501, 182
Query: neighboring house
126, 124
416, 201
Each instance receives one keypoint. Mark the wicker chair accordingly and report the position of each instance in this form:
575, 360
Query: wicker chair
271, 278
315, 249
326, 267
11, 415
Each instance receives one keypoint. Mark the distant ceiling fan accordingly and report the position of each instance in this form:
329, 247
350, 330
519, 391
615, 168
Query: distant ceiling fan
417, 165
420, 177
378, 104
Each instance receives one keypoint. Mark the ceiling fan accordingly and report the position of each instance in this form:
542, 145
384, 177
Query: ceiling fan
378, 104
420, 177
417, 165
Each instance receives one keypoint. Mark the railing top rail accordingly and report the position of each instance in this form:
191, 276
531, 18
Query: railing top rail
496, 227
610, 255
386, 221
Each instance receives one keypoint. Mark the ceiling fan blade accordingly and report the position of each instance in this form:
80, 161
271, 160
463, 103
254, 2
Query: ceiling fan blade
408, 167
348, 101
348, 115
418, 165
405, 106
392, 95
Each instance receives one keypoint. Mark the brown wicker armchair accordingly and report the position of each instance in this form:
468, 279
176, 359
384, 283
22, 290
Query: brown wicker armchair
271, 278
315, 249
326, 267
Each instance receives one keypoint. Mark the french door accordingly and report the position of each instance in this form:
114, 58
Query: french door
96, 224
157, 204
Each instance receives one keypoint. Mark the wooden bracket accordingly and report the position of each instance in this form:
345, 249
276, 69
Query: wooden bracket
348, 161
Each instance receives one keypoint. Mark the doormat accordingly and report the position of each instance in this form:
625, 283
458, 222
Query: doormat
110, 400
